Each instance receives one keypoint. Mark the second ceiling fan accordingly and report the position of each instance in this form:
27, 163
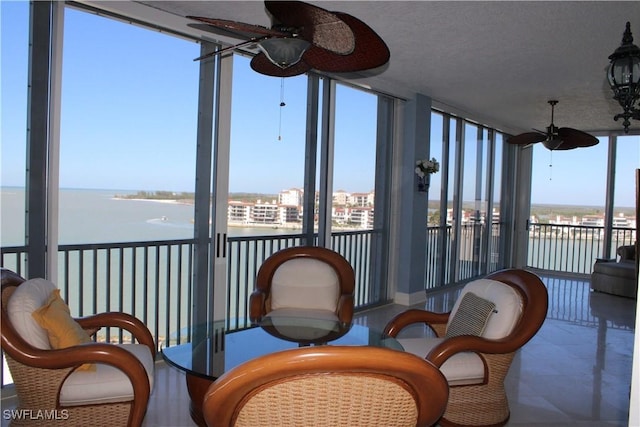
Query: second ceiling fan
303, 37
555, 138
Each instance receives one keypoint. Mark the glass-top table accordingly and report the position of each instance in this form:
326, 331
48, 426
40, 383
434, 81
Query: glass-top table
213, 349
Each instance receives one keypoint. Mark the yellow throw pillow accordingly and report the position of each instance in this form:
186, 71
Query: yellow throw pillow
54, 317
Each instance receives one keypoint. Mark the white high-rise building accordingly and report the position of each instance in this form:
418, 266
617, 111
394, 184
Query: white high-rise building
291, 197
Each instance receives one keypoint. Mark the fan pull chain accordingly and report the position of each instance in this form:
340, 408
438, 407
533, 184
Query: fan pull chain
550, 165
282, 104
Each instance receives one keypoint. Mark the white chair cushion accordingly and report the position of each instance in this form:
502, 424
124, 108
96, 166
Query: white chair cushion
460, 369
29, 296
107, 384
304, 324
508, 307
303, 313
305, 283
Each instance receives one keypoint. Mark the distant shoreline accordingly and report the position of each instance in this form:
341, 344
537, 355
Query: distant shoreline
534, 205
285, 226
167, 201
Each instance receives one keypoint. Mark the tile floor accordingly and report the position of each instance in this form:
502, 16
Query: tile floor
575, 372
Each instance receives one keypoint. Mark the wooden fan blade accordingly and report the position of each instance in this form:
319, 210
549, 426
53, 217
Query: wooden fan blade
261, 64
316, 25
238, 29
527, 138
574, 138
370, 51
555, 144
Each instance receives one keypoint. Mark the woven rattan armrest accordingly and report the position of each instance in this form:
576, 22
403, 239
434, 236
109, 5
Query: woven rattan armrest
123, 321
435, 321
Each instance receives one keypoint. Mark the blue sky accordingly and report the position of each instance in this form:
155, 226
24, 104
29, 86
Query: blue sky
129, 114
129, 117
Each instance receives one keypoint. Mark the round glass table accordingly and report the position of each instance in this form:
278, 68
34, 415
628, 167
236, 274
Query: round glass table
208, 350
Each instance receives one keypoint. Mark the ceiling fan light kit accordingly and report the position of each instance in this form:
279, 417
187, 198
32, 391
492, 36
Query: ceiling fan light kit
303, 37
623, 75
284, 52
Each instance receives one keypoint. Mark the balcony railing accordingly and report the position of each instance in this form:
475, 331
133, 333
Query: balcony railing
153, 280
470, 260
572, 248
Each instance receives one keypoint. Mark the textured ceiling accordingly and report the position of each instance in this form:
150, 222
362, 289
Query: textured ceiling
496, 62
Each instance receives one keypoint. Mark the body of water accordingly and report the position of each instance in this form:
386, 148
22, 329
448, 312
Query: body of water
95, 216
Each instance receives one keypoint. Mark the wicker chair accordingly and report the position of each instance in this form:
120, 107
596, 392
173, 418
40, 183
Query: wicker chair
304, 281
48, 381
328, 386
475, 356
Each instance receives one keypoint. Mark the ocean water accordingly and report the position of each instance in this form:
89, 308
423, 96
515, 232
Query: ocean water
95, 216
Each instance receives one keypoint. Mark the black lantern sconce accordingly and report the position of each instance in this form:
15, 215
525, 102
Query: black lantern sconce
624, 77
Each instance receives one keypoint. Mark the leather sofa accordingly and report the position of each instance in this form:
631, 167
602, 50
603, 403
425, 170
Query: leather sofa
617, 277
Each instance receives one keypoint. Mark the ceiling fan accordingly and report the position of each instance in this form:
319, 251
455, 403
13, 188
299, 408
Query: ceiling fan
555, 138
303, 37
